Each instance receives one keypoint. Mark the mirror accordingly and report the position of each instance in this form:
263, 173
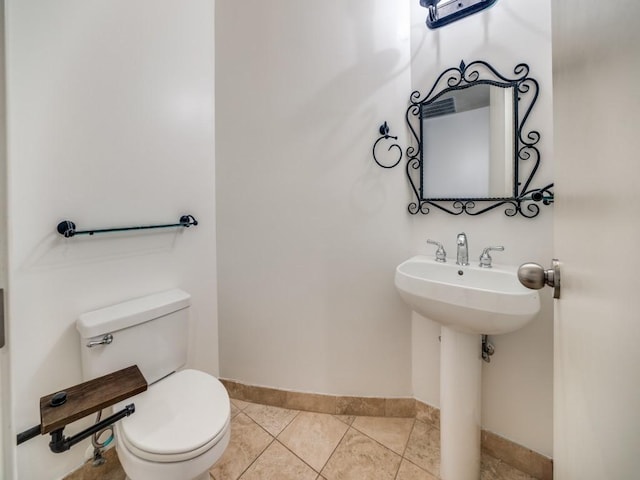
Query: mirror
472, 152
468, 143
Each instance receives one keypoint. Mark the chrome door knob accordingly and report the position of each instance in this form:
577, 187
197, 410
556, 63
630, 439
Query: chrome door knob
533, 276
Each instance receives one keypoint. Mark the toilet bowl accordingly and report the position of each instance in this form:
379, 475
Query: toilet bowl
174, 433
180, 426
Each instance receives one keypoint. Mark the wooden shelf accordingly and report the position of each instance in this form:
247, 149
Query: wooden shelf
90, 397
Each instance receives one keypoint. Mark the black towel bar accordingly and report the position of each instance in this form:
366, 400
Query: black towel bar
67, 228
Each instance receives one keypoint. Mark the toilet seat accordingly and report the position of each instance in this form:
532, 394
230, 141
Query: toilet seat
177, 418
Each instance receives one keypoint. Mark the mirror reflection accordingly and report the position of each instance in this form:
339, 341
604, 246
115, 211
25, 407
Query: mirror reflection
468, 137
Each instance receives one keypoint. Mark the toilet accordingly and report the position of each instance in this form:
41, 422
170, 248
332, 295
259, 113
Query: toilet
180, 427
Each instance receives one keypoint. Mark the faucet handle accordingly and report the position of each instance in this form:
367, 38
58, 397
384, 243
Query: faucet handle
441, 255
485, 258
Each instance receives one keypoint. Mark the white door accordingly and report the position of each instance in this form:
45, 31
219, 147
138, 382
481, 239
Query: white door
4, 383
596, 61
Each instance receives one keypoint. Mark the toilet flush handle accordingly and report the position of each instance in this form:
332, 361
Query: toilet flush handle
106, 340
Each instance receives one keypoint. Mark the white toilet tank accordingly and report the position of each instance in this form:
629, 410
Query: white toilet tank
151, 332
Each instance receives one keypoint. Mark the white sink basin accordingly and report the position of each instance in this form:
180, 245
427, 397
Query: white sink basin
468, 299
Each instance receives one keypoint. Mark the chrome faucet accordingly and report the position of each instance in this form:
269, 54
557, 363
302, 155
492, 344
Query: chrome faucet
441, 255
485, 258
463, 250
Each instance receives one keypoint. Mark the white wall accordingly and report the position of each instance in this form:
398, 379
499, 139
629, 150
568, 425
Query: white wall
517, 385
309, 228
110, 122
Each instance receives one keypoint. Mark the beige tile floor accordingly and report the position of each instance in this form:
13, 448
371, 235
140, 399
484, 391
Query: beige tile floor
276, 443
271, 443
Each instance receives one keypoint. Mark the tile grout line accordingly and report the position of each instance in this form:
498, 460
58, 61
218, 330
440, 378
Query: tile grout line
256, 459
261, 451
349, 427
401, 455
297, 456
283, 428
413, 426
404, 450
319, 472
421, 468
291, 451
433, 474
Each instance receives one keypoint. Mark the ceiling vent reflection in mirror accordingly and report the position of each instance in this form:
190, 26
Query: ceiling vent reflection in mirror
471, 151
443, 12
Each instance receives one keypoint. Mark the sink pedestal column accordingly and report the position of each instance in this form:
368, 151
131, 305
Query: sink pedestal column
460, 382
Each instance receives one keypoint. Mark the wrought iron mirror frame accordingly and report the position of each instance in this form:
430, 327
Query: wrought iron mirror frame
525, 200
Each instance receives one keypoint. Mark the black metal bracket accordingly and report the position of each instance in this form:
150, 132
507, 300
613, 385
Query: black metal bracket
28, 434
59, 443
444, 12
67, 228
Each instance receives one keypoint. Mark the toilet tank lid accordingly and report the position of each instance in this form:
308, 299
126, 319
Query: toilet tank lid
132, 312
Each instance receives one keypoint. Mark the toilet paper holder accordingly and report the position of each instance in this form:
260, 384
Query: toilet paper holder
59, 409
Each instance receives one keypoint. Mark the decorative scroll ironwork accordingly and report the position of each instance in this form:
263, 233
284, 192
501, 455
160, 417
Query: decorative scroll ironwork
526, 199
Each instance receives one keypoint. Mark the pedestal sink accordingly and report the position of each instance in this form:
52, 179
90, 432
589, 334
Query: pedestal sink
468, 301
